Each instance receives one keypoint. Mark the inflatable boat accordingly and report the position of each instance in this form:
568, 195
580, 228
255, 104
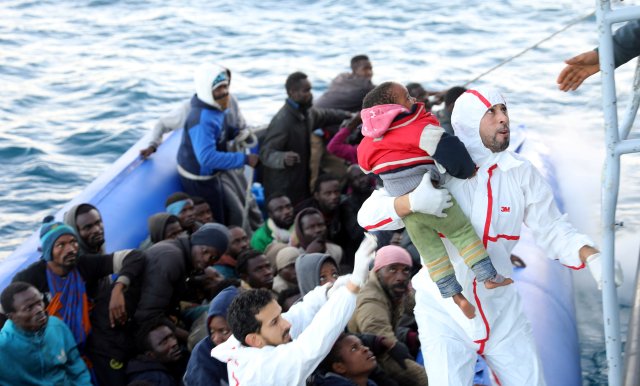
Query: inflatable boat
132, 189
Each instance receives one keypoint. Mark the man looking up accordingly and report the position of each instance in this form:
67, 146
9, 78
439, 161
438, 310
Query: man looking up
450, 341
271, 348
278, 226
203, 151
285, 151
161, 360
36, 349
379, 308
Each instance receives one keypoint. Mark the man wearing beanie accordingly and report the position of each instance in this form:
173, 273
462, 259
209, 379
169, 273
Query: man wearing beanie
286, 270
380, 306
203, 152
70, 284
170, 265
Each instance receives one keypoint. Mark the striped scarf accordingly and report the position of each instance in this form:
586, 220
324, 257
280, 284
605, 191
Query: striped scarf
70, 303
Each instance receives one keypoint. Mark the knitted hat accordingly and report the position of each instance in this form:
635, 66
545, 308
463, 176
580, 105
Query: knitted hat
286, 256
391, 254
50, 231
213, 235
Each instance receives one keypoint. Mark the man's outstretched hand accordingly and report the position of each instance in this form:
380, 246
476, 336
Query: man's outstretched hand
577, 70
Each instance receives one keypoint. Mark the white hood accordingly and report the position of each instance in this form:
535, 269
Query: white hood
208, 77
469, 109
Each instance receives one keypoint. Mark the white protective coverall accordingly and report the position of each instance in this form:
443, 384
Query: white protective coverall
506, 192
316, 323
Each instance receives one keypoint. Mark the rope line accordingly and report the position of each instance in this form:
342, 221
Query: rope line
576, 21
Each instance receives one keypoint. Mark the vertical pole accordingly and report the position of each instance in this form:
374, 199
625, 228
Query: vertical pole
610, 187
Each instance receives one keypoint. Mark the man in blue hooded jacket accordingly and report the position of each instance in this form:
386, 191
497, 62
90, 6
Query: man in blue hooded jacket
203, 150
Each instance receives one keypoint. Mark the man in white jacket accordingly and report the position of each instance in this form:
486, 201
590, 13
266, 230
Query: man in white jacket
506, 192
271, 348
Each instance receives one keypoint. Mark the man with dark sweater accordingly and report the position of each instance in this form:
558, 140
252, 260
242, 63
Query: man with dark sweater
170, 264
285, 151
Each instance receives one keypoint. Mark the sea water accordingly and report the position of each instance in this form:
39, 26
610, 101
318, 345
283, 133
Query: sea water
80, 82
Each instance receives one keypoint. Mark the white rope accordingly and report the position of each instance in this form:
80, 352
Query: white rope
576, 21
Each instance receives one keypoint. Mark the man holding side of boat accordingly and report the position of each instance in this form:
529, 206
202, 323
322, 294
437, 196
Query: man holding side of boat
506, 192
203, 152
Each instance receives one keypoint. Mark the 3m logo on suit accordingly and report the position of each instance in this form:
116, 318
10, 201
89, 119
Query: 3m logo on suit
505, 209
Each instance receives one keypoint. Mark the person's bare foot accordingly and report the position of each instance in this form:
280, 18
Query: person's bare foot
489, 284
467, 308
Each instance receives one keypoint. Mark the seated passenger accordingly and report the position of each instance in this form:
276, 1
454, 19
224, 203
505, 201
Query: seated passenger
202, 370
76, 291
254, 270
349, 363
279, 224
285, 269
315, 269
169, 264
162, 226
311, 234
271, 348
340, 219
202, 210
379, 308
86, 220
161, 361
34, 348
238, 243
180, 204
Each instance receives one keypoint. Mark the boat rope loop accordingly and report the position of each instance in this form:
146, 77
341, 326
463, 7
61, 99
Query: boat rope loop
575, 21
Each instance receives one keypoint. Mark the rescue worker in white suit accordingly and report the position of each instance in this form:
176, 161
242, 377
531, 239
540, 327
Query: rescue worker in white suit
272, 348
500, 331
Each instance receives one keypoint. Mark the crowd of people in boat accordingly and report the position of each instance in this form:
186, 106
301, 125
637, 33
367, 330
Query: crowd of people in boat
226, 292
155, 312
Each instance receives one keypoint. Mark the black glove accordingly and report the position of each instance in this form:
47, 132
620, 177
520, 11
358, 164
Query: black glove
374, 342
399, 352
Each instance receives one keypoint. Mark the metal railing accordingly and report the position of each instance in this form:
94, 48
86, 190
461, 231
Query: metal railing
617, 144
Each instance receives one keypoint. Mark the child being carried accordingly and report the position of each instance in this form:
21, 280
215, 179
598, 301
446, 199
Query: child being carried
404, 144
